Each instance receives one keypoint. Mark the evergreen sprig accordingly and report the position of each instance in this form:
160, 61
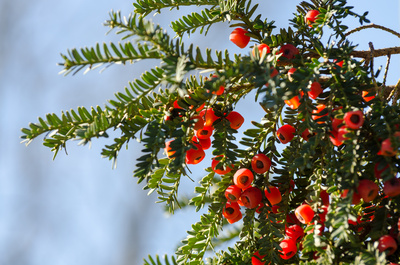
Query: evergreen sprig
162, 110
145, 7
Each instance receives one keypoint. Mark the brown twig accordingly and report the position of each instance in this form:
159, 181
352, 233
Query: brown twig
387, 91
386, 69
377, 53
357, 54
394, 92
373, 26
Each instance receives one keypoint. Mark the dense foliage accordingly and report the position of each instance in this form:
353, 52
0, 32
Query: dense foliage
328, 195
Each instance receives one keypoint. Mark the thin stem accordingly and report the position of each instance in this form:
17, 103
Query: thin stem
358, 54
373, 26
372, 51
394, 92
386, 69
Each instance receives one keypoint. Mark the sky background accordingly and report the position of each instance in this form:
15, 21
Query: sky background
77, 209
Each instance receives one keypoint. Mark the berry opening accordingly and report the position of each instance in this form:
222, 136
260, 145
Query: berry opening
301, 219
244, 179
259, 164
204, 132
355, 118
232, 197
230, 210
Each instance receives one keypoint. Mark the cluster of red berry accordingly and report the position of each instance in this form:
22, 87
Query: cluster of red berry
203, 130
243, 194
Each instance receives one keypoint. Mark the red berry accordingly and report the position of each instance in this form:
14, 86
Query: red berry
315, 90
199, 124
392, 187
294, 102
304, 213
290, 73
208, 116
204, 132
234, 220
260, 163
387, 148
220, 171
274, 196
322, 216
205, 143
354, 119
256, 259
336, 122
311, 16
220, 91
387, 244
357, 224
231, 210
306, 135
289, 51
324, 197
239, 38
285, 133
251, 197
341, 134
340, 64
235, 119
379, 168
356, 197
243, 178
295, 232
367, 189
261, 48
195, 155
367, 98
232, 193
317, 116
168, 149
334, 138
289, 248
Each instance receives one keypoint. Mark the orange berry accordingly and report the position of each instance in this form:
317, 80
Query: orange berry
243, 178
239, 37
285, 133
304, 213
235, 119
274, 196
195, 155
260, 163
311, 16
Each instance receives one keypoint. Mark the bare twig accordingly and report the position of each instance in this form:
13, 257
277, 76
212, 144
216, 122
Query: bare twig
373, 26
394, 92
386, 69
377, 53
371, 54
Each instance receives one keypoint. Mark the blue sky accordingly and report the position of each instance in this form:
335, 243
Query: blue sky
76, 209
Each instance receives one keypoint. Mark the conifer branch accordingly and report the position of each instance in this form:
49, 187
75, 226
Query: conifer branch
190, 23
92, 58
81, 125
145, 7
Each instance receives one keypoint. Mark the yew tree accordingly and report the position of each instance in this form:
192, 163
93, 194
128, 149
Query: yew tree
312, 182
